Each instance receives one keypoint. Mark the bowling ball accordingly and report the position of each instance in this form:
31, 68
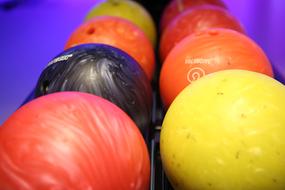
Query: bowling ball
72, 140
119, 33
104, 71
129, 10
195, 20
226, 131
175, 7
207, 52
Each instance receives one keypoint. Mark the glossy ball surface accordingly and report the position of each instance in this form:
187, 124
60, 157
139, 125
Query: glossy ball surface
196, 20
119, 33
207, 52
72, 140
129, 10
226, 131
176, 7
104, 71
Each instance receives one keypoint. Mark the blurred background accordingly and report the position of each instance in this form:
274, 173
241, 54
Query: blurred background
32, 32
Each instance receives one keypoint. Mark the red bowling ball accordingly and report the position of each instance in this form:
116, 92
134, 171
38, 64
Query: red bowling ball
175, 7
194, 20
119, 33
72, 140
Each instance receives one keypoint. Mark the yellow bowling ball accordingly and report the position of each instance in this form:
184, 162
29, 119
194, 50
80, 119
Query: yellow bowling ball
129, 10
226, 131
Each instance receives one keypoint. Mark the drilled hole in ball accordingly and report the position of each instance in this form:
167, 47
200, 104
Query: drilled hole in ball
91, 31
213, 32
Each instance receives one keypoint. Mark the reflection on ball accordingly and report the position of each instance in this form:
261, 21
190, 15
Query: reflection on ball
226, 131
209, 51
195, 20
119, 33
104, 71
72, 140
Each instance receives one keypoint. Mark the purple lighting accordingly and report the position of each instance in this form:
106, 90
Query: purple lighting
35, 31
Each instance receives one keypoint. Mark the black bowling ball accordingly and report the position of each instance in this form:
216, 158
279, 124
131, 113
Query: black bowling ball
104, 71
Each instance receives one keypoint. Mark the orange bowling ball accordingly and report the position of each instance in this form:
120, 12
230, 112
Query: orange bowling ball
119, 33
207, 52
194, 20
175, 7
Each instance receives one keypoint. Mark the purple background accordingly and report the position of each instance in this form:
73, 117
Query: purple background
36, 31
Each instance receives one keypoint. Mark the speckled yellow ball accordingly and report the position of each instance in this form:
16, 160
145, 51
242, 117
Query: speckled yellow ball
226, 131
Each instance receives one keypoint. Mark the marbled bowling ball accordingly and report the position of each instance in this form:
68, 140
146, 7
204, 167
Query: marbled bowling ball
126, 9
195, 20
119, 33
176, 7
104, 71
206, 52
72, 141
